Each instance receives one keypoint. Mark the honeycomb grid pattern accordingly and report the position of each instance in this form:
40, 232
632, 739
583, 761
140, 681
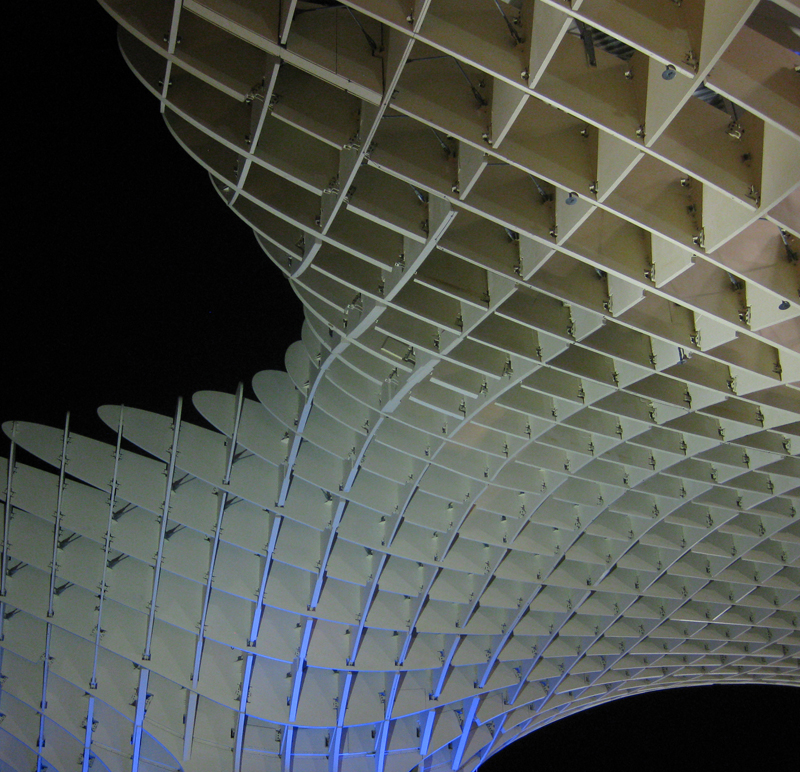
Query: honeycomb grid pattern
537, 447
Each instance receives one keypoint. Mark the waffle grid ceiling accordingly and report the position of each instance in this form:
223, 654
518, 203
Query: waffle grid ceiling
537, 447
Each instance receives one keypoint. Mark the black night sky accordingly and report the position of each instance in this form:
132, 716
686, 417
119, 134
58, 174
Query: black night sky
125, 279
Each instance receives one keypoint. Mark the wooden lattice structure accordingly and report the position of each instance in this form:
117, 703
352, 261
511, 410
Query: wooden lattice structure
537, 448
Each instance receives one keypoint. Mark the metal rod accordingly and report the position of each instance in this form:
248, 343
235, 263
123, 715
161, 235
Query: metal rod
415, 615
164, 517
428, 58
542, 192
287, 747
427, 732
791, 254
511, 28
322, 6
300, 668
323, 563
242, 720
477, 94
507, 633
138, 722
57, 527
87, 737
588, 42
273, 540
476, 599
444, 145
422, 196
734, 280
381, 738
188, 732
111, 517
369, 596
441, 677
376, 49
470, 709
499, 723
43, 704
222, 504
7, 509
